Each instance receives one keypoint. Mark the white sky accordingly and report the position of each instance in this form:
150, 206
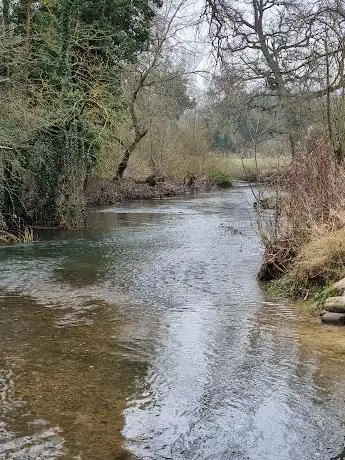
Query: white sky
191, 42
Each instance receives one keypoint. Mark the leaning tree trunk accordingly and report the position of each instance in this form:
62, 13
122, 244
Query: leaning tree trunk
2, 195
129, 150
6, 12
138, 131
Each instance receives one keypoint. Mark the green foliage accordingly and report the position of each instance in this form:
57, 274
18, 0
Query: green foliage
283, 287
61, 60
220, 178
48, 175
65, 37
121, 26
322, 295
173, 90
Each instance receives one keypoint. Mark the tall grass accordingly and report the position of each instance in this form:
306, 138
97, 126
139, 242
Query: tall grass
24, 236
305, 240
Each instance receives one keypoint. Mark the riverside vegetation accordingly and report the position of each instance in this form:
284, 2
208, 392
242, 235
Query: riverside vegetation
293, 54
97, 99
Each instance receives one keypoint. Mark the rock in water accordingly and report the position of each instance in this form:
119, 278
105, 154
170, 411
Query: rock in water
333, 318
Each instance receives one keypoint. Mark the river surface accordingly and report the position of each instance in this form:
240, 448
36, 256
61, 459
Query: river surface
147, 336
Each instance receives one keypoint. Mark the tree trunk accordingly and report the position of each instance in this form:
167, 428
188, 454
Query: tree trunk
124, 162
2, 194
138, 131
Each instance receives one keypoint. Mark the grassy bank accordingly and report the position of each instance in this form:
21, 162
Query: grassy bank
316, 266
305, 240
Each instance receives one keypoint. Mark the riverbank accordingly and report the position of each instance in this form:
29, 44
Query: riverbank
102, 192
308, 272
219, 171
305, 241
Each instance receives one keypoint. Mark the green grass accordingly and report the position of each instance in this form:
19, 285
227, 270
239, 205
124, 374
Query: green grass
282, 287
221, 178
249, 169
322, 295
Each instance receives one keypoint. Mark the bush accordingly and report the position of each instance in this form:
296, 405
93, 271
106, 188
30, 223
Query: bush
306, 239
220, 178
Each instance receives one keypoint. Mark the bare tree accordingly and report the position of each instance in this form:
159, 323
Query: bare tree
146, 74
279, 46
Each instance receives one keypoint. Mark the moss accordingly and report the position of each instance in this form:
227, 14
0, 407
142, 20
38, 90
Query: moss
220, 178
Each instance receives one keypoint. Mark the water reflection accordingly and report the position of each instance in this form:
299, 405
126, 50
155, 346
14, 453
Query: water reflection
147, 336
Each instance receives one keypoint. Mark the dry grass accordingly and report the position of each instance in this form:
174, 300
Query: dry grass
307, 239
25, 236
322, 261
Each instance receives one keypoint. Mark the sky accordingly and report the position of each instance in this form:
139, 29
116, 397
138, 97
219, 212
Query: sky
191, 43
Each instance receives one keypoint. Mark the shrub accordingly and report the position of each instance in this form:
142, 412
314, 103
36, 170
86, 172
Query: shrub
306, 239
312, 203
220, 178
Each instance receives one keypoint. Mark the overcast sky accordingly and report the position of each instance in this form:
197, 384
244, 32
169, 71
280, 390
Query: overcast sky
192, 42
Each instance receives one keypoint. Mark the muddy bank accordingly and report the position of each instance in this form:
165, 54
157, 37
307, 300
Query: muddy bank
103, 192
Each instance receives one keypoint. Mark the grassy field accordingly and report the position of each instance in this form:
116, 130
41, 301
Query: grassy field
177, 166
248, 169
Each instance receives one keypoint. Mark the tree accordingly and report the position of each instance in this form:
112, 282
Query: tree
151, 74
60, 60
278, 47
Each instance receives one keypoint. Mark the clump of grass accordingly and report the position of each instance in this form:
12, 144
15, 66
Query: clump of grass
220, 178
321, 261
25, 236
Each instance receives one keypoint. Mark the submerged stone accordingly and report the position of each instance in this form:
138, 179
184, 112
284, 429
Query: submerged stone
333, 318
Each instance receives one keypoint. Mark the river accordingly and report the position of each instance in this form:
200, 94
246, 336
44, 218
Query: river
147, 336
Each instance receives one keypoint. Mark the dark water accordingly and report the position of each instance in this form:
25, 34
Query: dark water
148, 337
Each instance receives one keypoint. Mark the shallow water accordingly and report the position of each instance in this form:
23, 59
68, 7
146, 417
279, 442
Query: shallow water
147, 336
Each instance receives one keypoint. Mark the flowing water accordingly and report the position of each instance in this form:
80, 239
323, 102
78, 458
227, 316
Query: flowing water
147, 336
